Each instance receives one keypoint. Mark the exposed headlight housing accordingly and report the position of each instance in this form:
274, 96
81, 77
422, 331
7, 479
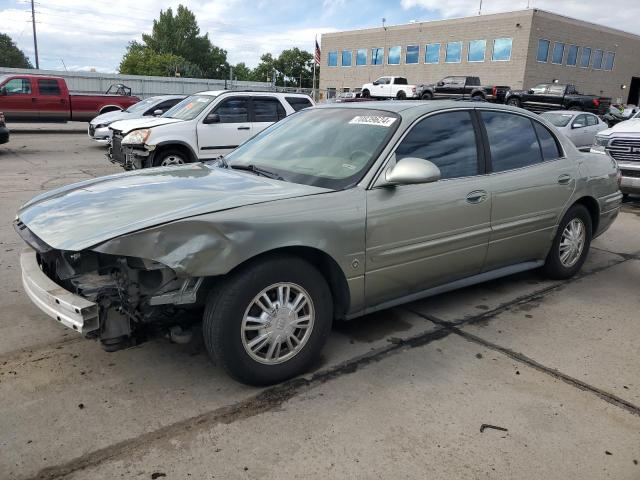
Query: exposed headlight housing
137, 137
601, 141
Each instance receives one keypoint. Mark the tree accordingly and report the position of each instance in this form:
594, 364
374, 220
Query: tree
264, 71
178, 35
141, 60
10, 55
295, 64
242, 72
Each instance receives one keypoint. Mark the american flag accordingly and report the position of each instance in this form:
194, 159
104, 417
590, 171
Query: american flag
317, 55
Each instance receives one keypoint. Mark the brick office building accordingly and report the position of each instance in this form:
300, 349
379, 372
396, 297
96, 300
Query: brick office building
520, 49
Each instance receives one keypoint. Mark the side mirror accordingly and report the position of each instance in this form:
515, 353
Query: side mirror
157, 113
212, 118
530, 92
577, 125
440, 84
376, 83
410, 170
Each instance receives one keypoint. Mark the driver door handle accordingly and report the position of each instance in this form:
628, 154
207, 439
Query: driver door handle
244, 128
477, 196
564, 179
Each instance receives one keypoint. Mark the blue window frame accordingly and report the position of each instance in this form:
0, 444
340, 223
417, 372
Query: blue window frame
477, 49
377, 56
502, 49
394, 55
543, 50
585, 59
332, 59
361, 56
346, 58
453, 52
432, 53
412, 55
597, 59
572, 55
609, 61
558, 53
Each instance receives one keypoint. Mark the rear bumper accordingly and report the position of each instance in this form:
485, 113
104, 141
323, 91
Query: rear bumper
71, 310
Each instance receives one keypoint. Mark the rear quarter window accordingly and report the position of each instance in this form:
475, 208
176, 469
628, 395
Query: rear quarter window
298, 103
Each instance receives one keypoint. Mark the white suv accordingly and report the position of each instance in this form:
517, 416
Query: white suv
202, 126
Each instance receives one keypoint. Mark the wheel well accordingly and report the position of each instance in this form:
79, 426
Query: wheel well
326, 265
176, 146
592, 206
110, 108
478, 93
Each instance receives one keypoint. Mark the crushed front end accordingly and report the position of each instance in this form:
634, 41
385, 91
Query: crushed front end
115, 299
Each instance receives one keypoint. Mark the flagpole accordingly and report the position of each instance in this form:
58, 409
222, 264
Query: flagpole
313, 86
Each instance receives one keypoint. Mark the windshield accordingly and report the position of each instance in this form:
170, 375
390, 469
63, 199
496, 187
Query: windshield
190, 107
327, 147
142, 105
558, 119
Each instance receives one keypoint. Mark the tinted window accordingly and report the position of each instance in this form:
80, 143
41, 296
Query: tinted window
234, 110
401, 81
346, 58
448, 140
298, 103
361, 57
512, 140
543, 50
476, 50
585, 57
558, 53
412, 55
453, 52
548, 143
394, 55
48, 87
332, 59
597, 59
377, 55
502, 49
432, 53
18, 86
267, 110
609, 61
572, 56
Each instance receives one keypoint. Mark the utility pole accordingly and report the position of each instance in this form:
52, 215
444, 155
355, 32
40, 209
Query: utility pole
35, 38
480, 9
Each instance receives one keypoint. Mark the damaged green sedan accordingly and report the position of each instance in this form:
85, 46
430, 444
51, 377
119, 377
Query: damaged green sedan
332, 213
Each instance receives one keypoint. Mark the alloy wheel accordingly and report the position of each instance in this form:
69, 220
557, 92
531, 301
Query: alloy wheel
572, 243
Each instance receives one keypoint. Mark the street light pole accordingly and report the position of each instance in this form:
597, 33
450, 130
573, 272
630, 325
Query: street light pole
35, 38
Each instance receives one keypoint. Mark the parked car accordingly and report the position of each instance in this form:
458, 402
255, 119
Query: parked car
153, 106
4, 130
460, 87
554, 96
47, 99
332, 213
622, 142
581, 128
619, 113
202, 126
389, 87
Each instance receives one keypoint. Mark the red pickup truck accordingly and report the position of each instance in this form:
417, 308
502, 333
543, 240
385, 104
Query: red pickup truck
47, 99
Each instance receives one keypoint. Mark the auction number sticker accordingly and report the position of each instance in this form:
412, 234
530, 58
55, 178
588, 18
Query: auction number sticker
373, 120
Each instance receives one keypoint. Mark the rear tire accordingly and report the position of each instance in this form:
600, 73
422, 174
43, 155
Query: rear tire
571, 244
237, 314
401, 95
576, 108
514, 102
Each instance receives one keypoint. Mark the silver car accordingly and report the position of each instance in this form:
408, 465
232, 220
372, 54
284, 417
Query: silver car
580, 127
332, 213
99, 131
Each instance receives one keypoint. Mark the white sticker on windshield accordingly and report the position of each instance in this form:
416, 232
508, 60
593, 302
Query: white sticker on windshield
373, 120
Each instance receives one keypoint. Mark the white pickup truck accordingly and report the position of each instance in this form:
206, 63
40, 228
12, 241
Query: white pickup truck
389, 87
622, 142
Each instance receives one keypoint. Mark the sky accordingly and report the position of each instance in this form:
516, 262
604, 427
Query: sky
81, 35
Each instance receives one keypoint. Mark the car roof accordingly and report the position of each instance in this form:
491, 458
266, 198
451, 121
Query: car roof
251, 92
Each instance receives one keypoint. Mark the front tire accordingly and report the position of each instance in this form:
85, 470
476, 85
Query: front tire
427, 96
170, 157
570, 245
268, 321
366, 93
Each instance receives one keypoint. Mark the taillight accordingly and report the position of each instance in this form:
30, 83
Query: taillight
413, 89
596, 102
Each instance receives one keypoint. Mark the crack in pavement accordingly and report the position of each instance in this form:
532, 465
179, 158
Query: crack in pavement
273, 397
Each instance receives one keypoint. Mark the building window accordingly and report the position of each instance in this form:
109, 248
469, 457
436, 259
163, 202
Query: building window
477, 49
558, 53
585, 59
346, 58
609, 61
361, 56
377, 56
502, 49
394, 55
432, 53
453, 53
572, 56
412, 55
543, 50
597, 59
332, 60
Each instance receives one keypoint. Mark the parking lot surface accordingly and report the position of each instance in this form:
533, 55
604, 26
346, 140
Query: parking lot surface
516, 378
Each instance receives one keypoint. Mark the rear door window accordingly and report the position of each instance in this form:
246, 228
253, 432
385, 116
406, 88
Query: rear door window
234, 110
548, 143
48, 87
448, 140
298, 103
512, 140
267, 109
592, 120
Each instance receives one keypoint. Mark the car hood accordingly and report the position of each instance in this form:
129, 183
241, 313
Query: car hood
628, 126
88, 213
126, 126
110, 117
